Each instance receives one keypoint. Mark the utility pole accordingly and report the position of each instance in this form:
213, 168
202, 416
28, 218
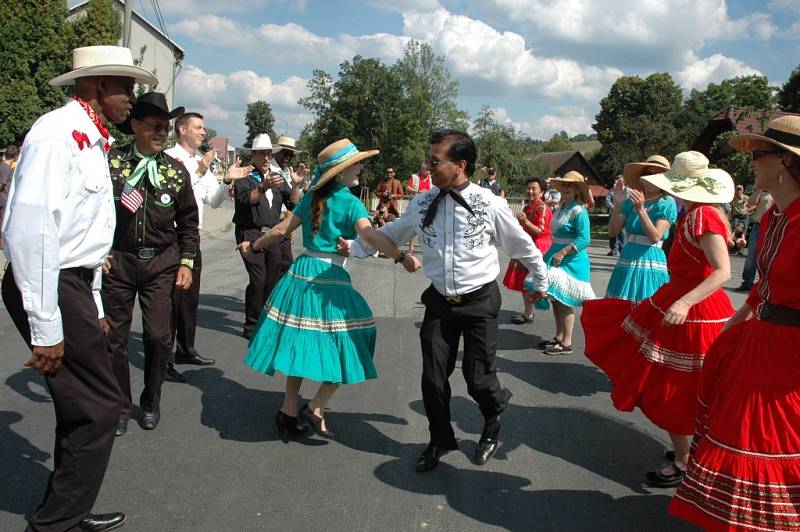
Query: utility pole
126, 24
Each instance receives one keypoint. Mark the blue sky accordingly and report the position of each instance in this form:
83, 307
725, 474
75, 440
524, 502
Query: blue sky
542, 64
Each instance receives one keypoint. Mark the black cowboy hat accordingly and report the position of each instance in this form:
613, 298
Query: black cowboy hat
149, 104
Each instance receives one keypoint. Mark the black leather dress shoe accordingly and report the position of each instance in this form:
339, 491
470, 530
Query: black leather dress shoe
122, 426
429, 458
103, 521
173, 375
149, 420
488, 443
196, 360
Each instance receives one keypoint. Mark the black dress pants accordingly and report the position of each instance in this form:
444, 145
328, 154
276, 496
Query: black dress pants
264, 268
86, 399
442, 327
153, 280
185, 305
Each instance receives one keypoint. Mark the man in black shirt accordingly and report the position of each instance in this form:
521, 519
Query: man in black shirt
258, 201
155, 243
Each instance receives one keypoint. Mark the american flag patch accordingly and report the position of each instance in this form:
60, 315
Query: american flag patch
131, 198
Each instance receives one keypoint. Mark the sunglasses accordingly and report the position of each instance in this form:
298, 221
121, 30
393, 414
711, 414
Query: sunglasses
433, 163
755, 154
157, 128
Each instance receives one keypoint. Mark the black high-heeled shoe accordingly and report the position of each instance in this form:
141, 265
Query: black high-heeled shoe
316, 422
289, 426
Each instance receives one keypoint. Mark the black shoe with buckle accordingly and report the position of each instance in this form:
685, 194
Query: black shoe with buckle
195, 360
488, 443
429, 458
173, 375
95, 522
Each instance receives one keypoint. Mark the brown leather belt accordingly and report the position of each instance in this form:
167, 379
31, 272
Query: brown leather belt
778, 314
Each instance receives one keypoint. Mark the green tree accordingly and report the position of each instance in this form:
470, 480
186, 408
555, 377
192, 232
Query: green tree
100, 25
258, 120
638, 117
35, 49
789, 94
734, 162
558, 142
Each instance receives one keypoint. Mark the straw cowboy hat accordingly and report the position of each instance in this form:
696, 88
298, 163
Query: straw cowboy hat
149, 104
262, 142
103, 61
783, 132
574, 178
335, 158
285, 143
691, 179
633, 171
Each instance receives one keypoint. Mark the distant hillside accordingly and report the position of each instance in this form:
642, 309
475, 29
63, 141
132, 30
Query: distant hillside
587, 147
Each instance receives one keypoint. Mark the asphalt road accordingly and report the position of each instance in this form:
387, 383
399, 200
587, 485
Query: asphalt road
568, 460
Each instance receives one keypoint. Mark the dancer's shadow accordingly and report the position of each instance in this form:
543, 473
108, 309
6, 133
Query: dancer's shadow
26, 382
607, 447
361, 432
236, 412
21, 468
515, 340
498, 499
215, 311
568, 378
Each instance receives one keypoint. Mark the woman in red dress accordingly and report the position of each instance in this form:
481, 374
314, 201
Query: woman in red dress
744, 472
535, 219
653, 354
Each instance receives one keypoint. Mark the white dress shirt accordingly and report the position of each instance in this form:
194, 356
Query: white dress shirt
60, 214
459, 250
206, 187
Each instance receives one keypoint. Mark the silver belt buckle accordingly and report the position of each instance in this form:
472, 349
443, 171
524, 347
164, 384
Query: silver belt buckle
147, 253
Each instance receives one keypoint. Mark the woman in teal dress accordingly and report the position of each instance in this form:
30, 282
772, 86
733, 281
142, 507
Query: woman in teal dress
567, 260
315, 325
647, 214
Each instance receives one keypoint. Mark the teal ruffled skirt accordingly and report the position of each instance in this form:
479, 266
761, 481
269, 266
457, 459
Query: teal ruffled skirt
640, 271
315, 325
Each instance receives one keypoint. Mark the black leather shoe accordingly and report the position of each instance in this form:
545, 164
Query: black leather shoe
488, 443
173, 375
316, 422
122, 426
149, 420
103, 521
289, 426
429, 458
195, 360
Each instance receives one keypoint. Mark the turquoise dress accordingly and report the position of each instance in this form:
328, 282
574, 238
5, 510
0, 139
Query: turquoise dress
315, 324
642, 266
569, 282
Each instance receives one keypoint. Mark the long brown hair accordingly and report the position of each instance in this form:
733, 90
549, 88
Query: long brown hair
318, 201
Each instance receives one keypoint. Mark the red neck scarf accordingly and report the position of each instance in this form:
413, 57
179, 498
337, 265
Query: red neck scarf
94, 118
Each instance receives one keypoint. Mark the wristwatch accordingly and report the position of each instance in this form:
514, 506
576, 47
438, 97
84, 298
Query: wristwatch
400, 258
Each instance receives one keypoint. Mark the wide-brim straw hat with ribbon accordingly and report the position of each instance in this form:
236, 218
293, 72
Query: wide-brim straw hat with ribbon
116, 61
285, 143
575, 178
335, 158
149, 104
633, 171
691, 179
783, 132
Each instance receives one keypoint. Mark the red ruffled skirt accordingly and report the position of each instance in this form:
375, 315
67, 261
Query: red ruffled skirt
654, 366
744, 470
515, 276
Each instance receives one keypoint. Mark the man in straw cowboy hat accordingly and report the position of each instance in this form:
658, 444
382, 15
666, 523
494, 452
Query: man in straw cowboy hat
155, 244
459, 225
258, 201
58, 230
283, 151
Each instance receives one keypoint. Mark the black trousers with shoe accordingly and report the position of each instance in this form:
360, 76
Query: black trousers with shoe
264, 268
153, 280
86, 399
185, 305
442, 327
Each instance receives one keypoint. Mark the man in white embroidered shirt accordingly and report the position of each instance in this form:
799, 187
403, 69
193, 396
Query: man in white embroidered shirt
58, 230
191, 132
459, 225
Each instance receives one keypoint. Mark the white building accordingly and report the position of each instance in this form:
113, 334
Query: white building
161, 55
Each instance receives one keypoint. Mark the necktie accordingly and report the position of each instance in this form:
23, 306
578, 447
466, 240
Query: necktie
457, 197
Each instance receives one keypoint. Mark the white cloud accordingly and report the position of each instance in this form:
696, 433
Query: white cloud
223, 99
573, 120
792, 32
699, 74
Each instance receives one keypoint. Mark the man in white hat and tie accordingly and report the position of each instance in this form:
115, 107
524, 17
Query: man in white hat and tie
258, 200
58, 230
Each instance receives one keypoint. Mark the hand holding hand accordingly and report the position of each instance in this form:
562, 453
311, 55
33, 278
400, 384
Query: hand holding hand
46, 359
676, 313
184, 278
343, 247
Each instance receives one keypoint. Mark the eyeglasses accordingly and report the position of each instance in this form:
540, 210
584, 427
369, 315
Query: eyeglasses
433, 163
157, 128
755, 154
